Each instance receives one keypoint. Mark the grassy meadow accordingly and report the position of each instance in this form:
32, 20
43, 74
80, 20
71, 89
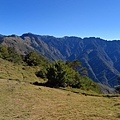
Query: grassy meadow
17, 72
20, 100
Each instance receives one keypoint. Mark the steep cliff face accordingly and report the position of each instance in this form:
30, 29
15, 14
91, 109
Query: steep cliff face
100, 57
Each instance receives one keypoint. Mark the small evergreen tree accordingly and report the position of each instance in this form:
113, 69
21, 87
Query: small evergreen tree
14, 56
56, 73
32, 59
60, 75
9, 53
4, 52
75, 65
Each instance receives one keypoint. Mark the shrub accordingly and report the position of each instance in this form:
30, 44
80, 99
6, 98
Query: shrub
4, 52
88, 84
14, 56
9, 53
60, 75
33, 59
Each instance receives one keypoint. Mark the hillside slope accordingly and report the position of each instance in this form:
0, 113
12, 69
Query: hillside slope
100, 57
23, 101
17, 72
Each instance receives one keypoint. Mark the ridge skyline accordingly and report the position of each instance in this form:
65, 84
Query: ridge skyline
1, 34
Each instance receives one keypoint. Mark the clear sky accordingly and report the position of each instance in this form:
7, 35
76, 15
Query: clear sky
82, 18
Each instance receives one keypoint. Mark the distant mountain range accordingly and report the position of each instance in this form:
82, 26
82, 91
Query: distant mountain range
1, 35
100, 57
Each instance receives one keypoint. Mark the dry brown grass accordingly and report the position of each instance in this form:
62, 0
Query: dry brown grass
23, 101
13, 71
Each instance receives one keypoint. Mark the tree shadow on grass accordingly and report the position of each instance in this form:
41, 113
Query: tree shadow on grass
38, 84
46, 84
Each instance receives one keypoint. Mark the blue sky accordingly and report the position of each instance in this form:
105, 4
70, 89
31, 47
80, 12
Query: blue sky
82, 18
